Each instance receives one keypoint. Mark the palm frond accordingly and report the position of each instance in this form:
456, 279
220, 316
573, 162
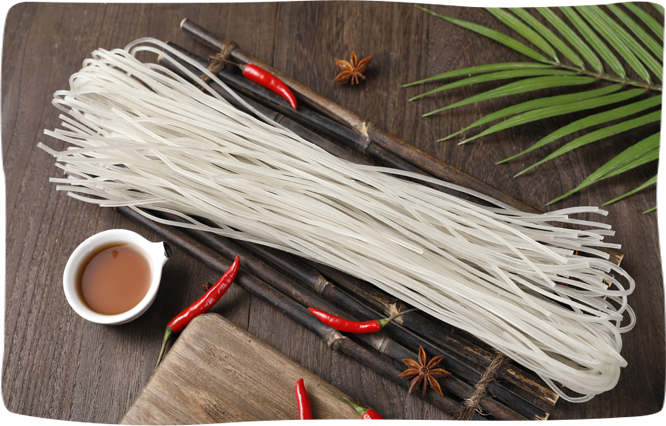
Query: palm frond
638, 31
572, 37
613, 34
597, 44
598, 135
539, 103
554, 111
530, 35
480, 70
499, 75
656, 178
546, 33
588, 39
593, 120
494, 35
636, 155
522, 86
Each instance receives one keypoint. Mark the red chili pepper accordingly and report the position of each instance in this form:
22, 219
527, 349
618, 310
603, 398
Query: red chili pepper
366, 413
268, 80
354, 326
201, 306
304, 409
371, 414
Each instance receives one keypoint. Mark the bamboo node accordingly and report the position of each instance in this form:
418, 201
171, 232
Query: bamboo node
333, 339
363, 128
321, 284
364, 145
216, 66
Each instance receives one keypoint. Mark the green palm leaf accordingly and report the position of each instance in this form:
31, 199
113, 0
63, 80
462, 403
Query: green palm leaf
650, 210
648, 20
539, 103
639, 32
480, 70
494, 35
589, 37
599, 134
499, 75
592, 120
525, 31
648, 157
554, 111
521, 86
594, 41
636, 155
549, 36
650, 182
573, 38
612, 33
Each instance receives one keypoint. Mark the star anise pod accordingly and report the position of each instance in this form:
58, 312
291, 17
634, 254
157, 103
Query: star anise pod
424, 372
352, 69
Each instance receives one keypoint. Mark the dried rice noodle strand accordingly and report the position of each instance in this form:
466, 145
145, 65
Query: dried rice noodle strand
141, 136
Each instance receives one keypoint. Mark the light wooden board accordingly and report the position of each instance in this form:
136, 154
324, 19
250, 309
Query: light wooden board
217, 372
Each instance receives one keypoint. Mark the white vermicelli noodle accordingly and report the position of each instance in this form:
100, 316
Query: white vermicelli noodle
145, 138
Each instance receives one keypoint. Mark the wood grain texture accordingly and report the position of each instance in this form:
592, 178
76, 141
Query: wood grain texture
56, 365
216, 372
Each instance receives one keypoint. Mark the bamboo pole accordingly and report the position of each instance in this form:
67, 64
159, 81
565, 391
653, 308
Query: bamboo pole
395, 146
362, 144
411, 338
334, 339
319, 284
432, 331
389, 142
380, 341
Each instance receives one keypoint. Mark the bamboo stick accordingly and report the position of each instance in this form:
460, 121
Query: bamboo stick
468, 374
334, 339
460, 367
330, 293
389, 142
395, 146
380, 341
433, 332
271, 114
315, 120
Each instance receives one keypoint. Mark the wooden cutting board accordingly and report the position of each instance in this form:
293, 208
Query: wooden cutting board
217, 372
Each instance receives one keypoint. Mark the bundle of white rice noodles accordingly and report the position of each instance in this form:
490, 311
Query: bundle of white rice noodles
143, 137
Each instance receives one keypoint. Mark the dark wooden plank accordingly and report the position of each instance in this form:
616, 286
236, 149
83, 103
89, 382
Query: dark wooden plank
55, 363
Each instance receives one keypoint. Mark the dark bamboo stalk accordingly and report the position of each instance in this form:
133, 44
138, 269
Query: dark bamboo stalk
290, 124
290, 307
380, 341
311, 118
389, 142
433, 332
380, 144
316, 282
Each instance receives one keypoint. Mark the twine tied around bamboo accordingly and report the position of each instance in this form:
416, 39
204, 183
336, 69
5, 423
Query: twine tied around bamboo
471, 404
216, 66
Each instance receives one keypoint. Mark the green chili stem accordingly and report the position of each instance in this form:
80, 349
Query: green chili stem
167, 334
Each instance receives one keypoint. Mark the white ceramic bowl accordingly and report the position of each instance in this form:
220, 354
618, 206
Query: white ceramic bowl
157, 255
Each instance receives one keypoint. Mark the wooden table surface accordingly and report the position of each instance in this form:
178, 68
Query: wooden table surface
57, 365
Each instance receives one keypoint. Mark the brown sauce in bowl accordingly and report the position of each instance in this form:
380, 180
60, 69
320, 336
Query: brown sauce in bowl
114, 278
